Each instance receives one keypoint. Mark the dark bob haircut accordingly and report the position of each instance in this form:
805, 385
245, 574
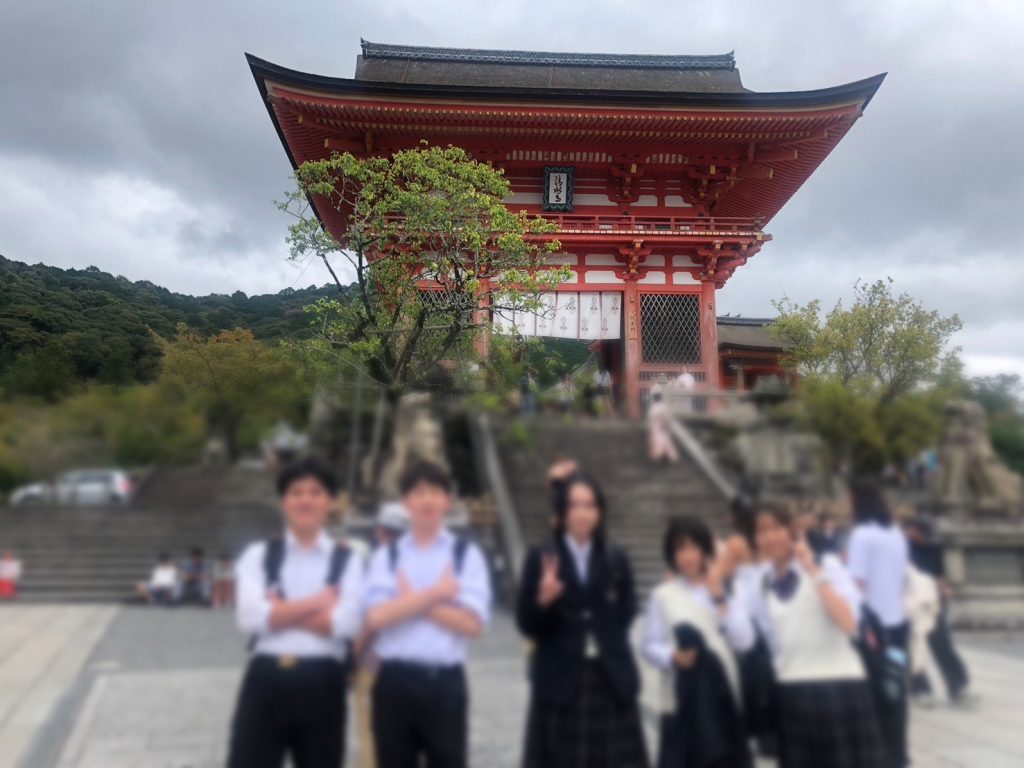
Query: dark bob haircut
683, 529
563, 490
428, 472
309, 467
777, 513
869, 505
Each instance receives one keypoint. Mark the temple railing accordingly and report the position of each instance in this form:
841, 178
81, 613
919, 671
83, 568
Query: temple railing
612, 224
685, 438
575, 223
489, 466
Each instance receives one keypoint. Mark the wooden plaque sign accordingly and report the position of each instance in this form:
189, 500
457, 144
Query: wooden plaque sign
558, 182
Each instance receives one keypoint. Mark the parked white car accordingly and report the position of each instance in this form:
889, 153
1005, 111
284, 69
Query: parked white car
79, 487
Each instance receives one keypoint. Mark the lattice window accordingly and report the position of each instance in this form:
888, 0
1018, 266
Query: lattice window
448, 301
670, 328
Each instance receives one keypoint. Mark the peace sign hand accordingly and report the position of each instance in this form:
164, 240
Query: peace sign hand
551, 587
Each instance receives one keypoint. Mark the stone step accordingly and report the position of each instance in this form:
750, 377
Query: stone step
98, 554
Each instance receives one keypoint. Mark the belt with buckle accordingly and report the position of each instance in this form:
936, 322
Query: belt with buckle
423, 668
291, 661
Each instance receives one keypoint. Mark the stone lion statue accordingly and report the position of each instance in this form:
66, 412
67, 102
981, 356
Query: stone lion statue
972, 478
417, 435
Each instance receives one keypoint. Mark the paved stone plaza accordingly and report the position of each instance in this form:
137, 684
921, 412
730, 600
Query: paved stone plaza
105, 687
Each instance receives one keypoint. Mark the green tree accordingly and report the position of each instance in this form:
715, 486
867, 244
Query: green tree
239, 384
429, 241
61, 329
874, 375
130, 426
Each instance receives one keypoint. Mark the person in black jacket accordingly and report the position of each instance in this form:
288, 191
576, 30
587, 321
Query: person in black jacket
576, 603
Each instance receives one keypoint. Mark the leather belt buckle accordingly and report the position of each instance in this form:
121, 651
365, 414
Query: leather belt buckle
287, 662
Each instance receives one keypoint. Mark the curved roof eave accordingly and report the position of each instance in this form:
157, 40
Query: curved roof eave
861, 90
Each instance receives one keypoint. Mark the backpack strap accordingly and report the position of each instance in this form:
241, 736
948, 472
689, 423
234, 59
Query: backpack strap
273, 559
462, 542
393, 555
339, 559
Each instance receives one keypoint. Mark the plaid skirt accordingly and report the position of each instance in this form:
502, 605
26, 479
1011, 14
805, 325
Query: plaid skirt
829, 724
593, 731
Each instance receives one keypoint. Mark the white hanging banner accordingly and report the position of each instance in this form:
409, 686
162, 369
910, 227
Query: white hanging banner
546, 314
501, 322
567, 316
611, 314
590, 315
525, 322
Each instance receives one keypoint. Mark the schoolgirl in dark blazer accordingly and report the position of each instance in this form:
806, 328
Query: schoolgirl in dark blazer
576, 603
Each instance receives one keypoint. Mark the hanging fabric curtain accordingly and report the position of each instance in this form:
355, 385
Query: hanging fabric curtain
611, 314
589, 316
546, 314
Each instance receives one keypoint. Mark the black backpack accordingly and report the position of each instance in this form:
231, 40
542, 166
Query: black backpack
273, 559
886, 668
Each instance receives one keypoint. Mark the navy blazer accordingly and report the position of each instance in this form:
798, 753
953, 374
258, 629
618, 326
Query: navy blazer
605, 606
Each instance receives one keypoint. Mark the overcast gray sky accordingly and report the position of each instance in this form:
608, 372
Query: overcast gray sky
132, 136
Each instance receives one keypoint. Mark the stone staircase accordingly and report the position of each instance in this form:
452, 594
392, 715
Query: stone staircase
641, 496
98, 554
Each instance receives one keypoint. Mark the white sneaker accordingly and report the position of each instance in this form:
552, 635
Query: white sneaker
967, 700
923, 700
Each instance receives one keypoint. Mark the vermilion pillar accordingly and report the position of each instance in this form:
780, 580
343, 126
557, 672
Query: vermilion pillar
631, 329
709, 335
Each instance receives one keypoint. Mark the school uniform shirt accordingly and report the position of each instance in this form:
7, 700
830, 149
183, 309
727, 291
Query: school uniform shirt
747, 582
580, 556
878, 557
304, 572
419, 640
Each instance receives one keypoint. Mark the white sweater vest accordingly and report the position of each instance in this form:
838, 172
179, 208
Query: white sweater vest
810, 647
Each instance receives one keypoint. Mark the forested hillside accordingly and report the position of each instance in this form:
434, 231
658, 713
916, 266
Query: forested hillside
60, 326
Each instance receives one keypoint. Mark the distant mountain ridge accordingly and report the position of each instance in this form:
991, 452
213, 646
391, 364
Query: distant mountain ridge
92, 325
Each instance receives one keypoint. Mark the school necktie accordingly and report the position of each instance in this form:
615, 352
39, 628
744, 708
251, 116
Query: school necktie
784, 586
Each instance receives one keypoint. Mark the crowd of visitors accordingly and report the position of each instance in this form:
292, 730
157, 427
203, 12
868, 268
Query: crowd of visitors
193, 581
593, 395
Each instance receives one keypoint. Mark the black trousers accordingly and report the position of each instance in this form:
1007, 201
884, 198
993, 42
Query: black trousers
420, 713
894, 727
952, 667
293, 707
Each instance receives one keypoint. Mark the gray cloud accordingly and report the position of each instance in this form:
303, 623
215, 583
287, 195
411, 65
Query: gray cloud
133, 137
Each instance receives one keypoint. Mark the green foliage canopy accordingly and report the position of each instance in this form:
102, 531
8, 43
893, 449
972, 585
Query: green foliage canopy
60, 329
429, 241
873, 375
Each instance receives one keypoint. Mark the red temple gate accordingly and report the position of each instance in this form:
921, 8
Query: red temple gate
660, 171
